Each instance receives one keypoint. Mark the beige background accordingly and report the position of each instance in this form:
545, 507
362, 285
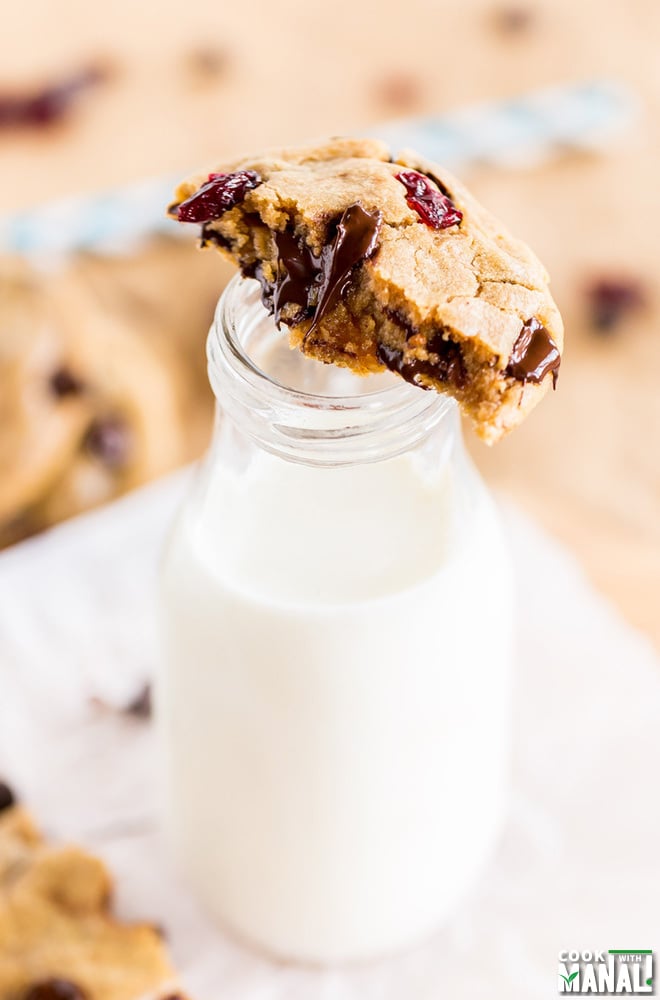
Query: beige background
586, 463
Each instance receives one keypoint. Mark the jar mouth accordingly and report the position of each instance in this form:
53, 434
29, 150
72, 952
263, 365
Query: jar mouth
329, 418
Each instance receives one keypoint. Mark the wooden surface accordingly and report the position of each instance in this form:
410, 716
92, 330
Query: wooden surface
189, 85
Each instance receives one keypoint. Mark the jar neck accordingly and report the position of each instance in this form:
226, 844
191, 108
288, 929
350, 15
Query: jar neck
307, 412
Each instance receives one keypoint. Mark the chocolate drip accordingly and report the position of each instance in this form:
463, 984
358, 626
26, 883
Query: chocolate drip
298, 271
445, 363
534, 354
356, 240
315, 283
401, 320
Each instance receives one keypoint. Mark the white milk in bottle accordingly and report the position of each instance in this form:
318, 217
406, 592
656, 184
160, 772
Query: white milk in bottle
334, 695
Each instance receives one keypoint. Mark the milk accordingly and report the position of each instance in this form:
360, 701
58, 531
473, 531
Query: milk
334, 698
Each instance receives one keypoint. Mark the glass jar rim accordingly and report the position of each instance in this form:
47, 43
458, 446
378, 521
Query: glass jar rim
319, 420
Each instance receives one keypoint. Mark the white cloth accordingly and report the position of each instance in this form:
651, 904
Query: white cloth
578, 866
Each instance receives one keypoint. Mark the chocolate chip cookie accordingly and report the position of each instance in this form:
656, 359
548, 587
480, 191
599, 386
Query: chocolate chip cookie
379, 263
91, 405
58, 940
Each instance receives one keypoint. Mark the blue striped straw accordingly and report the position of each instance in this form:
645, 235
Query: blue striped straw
514, 133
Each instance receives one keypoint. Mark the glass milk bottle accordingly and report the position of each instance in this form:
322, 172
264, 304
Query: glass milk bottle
334, 697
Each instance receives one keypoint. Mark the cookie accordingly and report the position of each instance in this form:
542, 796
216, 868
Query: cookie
58, 940
42, 413
134, 429
375, 263
89, 407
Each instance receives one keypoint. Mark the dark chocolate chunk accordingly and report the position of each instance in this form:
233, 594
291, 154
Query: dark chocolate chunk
299, 269
434, 207
109, 440
313, 283
220, 193
402, 321
7, 797
140, 707
534, 354
356, 240
55, 989
445, 363
64, 383
612, 300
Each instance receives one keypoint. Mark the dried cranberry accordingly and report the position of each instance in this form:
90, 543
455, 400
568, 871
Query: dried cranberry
436, 209
7, 797
46, 106
109, 441
220, 193
64, 383
55, 989
611, 300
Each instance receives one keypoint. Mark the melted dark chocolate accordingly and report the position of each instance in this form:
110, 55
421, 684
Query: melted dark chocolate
208, 236
356, 240
315, 283
402, 321
448, 365
534, 354
298, 269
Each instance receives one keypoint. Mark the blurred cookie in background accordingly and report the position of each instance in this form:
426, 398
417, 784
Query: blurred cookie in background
102, 378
